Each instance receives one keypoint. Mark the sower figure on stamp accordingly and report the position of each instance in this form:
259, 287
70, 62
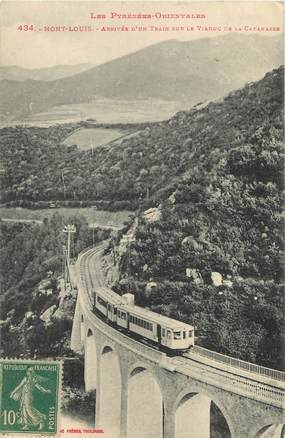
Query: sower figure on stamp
29, 416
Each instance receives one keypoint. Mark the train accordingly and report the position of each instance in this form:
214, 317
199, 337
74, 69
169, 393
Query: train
120, 311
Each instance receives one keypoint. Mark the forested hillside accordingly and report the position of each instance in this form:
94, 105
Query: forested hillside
36, 167
31, 262
224, 215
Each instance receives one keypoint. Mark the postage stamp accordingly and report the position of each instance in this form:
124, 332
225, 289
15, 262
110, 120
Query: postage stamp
30, 397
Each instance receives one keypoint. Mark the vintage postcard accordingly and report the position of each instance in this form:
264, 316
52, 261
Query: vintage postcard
141, 213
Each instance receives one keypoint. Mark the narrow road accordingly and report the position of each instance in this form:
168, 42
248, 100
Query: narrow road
23, 221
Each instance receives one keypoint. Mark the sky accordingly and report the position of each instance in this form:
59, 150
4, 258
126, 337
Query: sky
38, 48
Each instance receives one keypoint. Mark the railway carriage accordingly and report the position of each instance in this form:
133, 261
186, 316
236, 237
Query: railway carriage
122, 312
106, 302
167, 332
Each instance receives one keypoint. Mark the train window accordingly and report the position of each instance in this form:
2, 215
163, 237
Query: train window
190, 333
184, 335
177, 335
150, 326
102, 302
163, 332
169, 334
123, 316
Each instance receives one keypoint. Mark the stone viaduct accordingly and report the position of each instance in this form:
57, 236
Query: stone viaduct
143, 393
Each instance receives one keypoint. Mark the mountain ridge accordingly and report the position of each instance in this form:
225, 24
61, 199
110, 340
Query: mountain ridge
21, 74
187, 71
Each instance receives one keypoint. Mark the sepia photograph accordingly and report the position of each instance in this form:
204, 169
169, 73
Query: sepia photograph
141, 213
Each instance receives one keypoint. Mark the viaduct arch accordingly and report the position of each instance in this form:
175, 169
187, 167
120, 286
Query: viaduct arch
145, 398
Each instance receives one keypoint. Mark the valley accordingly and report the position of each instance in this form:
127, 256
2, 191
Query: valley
186, 72
106, 111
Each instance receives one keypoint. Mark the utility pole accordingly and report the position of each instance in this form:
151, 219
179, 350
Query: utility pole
69, 229
65, 277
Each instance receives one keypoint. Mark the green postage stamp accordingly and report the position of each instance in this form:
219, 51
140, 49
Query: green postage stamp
30, 397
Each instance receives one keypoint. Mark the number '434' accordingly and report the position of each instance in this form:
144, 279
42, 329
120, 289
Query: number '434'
25, 27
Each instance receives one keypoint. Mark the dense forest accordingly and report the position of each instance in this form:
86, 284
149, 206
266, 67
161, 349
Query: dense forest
31, 263
223, 216
145, 167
